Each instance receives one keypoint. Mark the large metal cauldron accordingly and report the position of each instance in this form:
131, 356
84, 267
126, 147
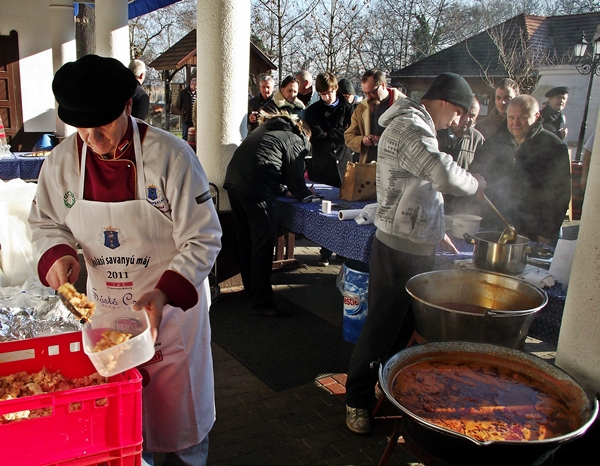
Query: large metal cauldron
489, 254
461, 450
486, 307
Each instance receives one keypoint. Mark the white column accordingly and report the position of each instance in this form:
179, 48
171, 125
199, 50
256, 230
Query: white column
578, 351
223, 54
112, 31
62, 31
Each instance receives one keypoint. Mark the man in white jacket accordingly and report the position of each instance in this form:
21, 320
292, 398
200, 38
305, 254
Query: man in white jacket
136, 200
412, 174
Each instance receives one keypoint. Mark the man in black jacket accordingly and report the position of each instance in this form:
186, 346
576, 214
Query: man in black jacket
552, 116
256, 103
141, 100
185, 102
328, 118
267, 164
527, 174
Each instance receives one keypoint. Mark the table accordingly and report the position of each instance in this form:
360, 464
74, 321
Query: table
354, 241
20, 166
344, 237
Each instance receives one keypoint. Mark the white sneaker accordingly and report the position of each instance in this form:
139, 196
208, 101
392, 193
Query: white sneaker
358, 420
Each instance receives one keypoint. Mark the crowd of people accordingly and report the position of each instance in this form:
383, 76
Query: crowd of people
434, 157
119, 178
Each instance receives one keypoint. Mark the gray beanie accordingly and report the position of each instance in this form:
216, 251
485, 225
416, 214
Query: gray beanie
346, 87
452, 88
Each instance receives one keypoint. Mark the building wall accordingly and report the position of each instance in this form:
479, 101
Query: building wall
30, 18
567, 75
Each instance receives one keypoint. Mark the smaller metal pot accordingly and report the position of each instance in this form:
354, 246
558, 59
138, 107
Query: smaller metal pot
492, 256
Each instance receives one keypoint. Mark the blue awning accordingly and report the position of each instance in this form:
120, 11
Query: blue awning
140, 7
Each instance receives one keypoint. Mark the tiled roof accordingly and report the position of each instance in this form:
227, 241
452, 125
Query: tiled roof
552, 36
184, 53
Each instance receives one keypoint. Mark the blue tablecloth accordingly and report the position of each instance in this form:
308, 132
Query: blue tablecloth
19, 166
344, 237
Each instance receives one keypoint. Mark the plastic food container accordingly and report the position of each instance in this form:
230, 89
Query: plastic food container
92, 425
465, 223
135, 351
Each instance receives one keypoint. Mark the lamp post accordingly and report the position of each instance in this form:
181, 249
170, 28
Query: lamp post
586, 65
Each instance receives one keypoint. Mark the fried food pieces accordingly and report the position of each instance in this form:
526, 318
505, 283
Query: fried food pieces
22, 384
83, 306
109, 339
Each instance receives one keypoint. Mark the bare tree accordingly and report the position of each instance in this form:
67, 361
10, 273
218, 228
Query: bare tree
85, 30
518, 57
280, 24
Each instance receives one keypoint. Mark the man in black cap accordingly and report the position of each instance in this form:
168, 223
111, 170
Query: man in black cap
137, 201
412, 174
552, 117
346, 88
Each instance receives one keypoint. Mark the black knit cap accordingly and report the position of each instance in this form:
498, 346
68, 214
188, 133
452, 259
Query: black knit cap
557, 90
92, 91
452, 88
345, 87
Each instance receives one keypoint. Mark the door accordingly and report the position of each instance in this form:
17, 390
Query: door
10, 90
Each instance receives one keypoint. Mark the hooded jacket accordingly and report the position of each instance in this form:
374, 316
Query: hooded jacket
271, 156
412, 174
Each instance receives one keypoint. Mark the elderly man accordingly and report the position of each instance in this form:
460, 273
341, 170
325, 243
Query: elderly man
307, 93
255, 104
364, 132
141, 100
121, 189
552, 116
528, 174
412, 174
461, 140
506, 90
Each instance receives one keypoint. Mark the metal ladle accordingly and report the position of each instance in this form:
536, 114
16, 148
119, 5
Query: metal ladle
509, 235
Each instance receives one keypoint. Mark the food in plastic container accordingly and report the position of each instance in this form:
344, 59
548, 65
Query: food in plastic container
131, 352
77, 303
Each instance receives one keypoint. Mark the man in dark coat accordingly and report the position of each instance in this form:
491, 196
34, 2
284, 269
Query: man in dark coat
141, 100
185, 103
267, 164
256, 103
552, 117
528, 174
328, 118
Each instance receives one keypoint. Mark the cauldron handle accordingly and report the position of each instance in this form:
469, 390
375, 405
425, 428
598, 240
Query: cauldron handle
469, 239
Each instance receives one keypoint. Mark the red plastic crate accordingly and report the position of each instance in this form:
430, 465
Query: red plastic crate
79, 431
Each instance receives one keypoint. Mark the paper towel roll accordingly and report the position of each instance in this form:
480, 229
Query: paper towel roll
349, 214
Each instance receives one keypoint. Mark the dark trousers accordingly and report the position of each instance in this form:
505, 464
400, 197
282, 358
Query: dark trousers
255, 233
184, 130
389, 323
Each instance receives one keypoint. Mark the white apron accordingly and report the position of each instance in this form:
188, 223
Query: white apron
127, 246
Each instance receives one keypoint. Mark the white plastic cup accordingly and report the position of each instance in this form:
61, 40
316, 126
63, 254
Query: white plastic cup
326, 207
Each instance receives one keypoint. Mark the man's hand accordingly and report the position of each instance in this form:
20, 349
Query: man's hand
482, 185
253, 117
374, 139
563, 132
66, 269
446, 245
153, 302
366, 140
